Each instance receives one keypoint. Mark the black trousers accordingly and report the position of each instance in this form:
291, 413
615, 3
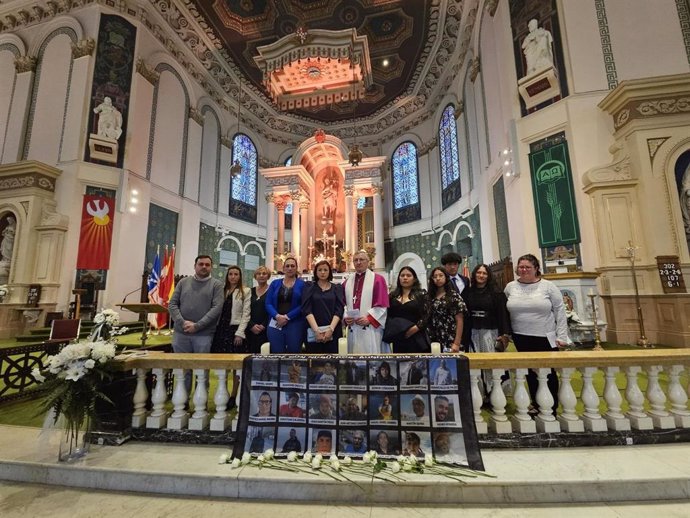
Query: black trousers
533, 344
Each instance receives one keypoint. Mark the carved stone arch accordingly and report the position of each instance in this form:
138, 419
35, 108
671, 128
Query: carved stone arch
60, 25
256, 244
240, 248
311, 141
12, 43
460, 225
207, 108
413, 261
443, 234
160, 68
405, 137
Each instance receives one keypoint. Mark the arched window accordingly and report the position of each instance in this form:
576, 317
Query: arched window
450, 160
405, 179
288, 162
243, 187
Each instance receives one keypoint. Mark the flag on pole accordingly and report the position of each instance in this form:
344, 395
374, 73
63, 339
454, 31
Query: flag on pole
153, 285
163, 288
465, 268
171, 272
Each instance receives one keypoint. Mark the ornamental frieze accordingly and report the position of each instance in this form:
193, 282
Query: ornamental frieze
22, 181
83, 48
644, 109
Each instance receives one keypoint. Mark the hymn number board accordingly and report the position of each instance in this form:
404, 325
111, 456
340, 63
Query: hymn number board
670, 274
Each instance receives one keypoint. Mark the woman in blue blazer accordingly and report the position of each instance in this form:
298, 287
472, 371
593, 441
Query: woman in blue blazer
283, 304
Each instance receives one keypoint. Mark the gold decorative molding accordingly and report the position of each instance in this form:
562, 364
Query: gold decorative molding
146, 72
270, 197
653, 145
459, 110
295, 194
280, 205
349, 190
196, 116
25, 64
475, 67
304, 205
83, 48
226, 141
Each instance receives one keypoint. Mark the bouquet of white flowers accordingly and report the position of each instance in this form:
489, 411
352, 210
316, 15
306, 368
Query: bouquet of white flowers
73, 380
106, 326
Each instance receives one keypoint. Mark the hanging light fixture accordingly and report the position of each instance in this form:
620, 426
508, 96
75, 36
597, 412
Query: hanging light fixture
354, 155
236, 168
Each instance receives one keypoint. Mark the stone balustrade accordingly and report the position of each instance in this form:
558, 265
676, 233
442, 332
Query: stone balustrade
655, 393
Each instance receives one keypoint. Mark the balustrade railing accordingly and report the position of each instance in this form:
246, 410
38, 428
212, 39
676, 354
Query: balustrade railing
642, 390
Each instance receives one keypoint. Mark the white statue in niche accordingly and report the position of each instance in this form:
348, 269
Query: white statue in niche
109, 119
6, 247
537, 48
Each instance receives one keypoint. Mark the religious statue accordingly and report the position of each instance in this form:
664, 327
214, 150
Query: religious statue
537, 48
7, 243
109, 119
330, 197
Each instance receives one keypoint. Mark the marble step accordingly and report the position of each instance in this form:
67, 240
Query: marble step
524, 476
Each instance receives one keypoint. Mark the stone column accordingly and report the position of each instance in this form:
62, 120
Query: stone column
349, 245
280, 249
379, 262
296, 229
270, 231
353, 225
304, 227
18, 115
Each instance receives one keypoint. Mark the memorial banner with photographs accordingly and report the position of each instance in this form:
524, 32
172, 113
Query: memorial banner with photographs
325, 404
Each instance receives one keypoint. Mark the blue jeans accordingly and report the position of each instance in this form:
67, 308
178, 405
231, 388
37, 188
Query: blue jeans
183, 343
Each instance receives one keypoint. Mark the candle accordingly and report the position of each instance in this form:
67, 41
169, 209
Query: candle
591, 292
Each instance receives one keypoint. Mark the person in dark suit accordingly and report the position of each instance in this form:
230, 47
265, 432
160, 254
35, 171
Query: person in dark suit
451, 261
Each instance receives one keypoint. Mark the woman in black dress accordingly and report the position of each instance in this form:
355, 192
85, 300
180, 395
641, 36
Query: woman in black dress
446, 312
323, 304
408, 305
258, 318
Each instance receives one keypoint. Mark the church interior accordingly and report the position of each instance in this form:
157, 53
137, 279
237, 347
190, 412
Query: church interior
252, 131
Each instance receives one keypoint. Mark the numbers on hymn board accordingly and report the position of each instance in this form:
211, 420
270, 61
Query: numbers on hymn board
670, 274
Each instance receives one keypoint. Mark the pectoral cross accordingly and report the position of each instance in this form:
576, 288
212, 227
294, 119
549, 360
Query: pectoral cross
354, 300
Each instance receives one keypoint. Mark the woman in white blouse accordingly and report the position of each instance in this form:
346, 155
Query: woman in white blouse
537, 317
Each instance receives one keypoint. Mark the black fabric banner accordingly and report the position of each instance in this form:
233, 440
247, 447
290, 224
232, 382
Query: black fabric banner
350, 405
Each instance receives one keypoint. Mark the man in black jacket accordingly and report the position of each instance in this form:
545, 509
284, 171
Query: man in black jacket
451, 261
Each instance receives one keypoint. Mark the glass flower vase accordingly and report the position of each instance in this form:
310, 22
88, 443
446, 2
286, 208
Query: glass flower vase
74, 443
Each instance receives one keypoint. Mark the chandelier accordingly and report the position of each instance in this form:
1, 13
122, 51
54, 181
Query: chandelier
315, 68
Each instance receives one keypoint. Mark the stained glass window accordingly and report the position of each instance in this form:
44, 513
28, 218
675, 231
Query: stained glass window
361, 203
405, 178
288, 162
450, 160
405, 186
243, 187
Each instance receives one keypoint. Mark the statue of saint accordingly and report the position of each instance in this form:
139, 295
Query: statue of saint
109, 119
537, 48
330, 196
7, 243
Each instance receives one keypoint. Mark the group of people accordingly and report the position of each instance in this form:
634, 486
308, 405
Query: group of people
461, 314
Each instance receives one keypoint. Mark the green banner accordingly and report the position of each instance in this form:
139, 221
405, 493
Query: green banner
554, 197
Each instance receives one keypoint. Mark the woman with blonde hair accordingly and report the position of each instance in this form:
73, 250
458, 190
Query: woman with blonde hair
230, 334
258, 316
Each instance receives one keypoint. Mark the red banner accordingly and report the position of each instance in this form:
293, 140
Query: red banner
96, 236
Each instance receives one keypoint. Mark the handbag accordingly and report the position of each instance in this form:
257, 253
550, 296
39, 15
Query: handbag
311, 335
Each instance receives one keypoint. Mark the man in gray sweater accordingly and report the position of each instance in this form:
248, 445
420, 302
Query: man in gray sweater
195, 307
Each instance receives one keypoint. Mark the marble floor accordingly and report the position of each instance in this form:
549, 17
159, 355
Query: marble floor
153, 479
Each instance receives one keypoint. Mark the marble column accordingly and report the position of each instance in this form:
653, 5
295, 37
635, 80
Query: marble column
280, 249
270, 230
349, 191
296, 228
379, 263
304, 227
19, 109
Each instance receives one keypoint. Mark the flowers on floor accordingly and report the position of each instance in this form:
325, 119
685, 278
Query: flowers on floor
342, 468
107, 323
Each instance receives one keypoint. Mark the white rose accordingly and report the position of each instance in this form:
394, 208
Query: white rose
335, 465
36, 374
401, 459
292, 456
235, 463
429, 460
223, 459
366, 458
89, 364
261, 458
246, 457
333, 458
269, 454
407, 467
347, 460
395, 467
316, 462
307, 457
412, 459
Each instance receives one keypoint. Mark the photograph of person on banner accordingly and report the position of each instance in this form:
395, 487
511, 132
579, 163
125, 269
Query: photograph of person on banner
323, 372
383, 408
352, 374
413, 374
322, 408
293, 373
446, 410
265, 373
259, 438
353, 442
449, 447
444, 373
384, 442
383, 375
322, 441
352, 407
291, 439
414, 409
417, 443
292, 408
263, 405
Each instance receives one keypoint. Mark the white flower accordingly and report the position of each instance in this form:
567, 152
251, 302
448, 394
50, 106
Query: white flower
401, 459
319, 456
89, 364
395, 466
36, 374
235, 463
292, 456
333, 458
412, 460
316, 462
74, 373
269, 454
366, 458
407, 467
335, 465
428, 460
261, 458
307, 457
223, 459
246, 458
347, 461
